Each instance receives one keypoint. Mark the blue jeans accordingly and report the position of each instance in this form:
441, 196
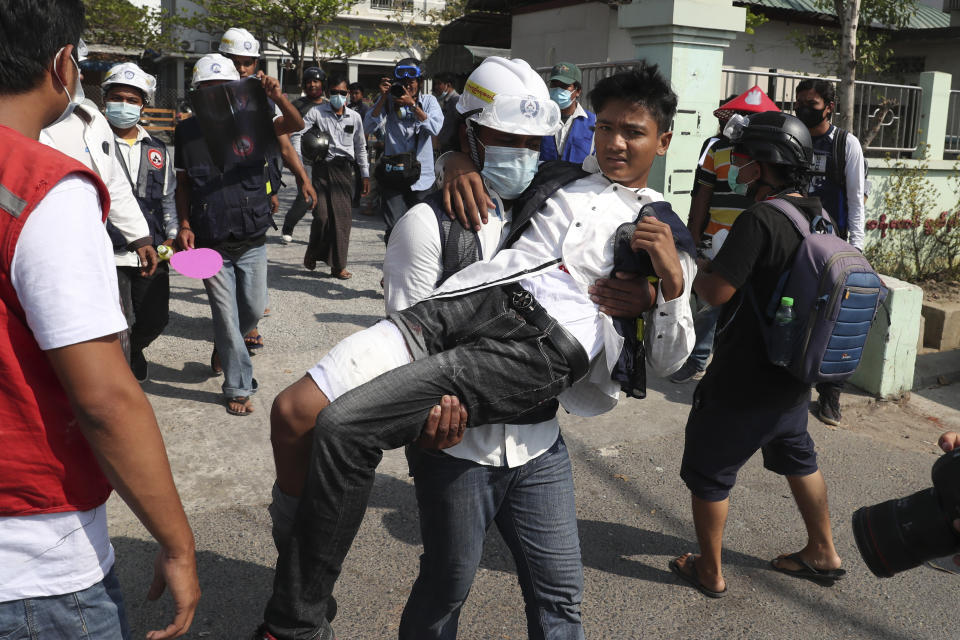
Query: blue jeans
705, 326
478, 347
533, 508
238, 296
96, 613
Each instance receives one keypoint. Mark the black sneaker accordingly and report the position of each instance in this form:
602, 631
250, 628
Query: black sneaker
139, 366
689, 372
828, 407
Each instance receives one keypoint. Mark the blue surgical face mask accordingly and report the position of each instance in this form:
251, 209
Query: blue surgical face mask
337, 101
75, 98
562, 97
122, 114
736, 187
508, 170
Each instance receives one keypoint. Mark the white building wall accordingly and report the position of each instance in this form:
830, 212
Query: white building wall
579, 34
772, 46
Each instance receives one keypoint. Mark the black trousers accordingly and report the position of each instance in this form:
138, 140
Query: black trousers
145, 303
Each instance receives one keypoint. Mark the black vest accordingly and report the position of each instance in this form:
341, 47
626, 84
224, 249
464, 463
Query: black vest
223, 204
148, 190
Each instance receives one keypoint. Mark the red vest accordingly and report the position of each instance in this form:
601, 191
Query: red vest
46, 465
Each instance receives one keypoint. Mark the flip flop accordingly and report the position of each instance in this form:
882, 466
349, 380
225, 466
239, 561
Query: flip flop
808, 571
694, 580
239, 400
253, 342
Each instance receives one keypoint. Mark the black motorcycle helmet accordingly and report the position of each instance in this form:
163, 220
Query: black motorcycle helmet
778, 138
314, 144
314, 73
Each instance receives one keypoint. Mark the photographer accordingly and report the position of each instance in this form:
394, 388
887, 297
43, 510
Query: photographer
948, 442
922, 528
408, 121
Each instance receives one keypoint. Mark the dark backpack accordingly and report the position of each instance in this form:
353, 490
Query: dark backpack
836, 296
837, 164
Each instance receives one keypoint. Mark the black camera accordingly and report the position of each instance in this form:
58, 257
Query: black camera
897, 535
397, 90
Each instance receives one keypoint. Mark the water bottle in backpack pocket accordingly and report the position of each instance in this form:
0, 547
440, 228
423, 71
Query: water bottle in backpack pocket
835, 296
785, 332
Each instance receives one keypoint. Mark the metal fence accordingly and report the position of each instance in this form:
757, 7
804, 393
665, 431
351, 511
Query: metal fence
953, 124
886, 117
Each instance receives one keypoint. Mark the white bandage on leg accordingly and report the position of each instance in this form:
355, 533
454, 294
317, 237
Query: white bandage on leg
360, 358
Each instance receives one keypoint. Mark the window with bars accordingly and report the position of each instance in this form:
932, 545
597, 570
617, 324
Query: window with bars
392, 5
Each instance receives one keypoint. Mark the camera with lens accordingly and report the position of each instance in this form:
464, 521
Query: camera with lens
900, 534
397, 90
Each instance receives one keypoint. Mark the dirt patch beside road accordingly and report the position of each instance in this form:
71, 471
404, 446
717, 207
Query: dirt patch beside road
913, 424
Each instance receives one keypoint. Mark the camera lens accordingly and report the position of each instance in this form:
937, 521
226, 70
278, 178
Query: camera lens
397, 90
897, 535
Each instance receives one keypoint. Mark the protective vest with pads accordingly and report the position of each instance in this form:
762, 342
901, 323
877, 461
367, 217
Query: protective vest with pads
461, 247
576, 147
148, 190
47, 464
232, 203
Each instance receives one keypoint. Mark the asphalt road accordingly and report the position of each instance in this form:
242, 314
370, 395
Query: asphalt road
633, 509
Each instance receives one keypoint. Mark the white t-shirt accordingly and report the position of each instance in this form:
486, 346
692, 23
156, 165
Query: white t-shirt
66, 301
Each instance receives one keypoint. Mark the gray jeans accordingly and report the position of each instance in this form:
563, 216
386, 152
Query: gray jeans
501, 363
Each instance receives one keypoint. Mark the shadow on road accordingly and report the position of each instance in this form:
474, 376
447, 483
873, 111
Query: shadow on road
234, 592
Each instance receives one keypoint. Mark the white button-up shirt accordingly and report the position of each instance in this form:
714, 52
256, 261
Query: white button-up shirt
575, 229
347, 139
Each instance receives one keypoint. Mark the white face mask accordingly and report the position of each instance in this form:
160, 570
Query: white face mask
75, 98
122, 114
509, 170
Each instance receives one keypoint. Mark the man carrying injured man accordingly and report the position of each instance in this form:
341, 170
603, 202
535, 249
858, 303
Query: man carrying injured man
505, 336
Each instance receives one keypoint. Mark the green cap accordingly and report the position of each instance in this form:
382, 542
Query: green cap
787, 302
565, 72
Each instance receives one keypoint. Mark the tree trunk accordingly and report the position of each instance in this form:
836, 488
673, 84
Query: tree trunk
848, 14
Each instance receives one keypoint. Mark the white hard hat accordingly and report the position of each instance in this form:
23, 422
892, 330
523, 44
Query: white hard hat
239, 42
508, 95
131, 75
214, 66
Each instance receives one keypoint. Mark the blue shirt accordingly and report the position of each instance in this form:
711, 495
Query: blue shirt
406, 134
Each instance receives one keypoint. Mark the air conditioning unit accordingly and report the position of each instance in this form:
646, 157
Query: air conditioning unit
951, 5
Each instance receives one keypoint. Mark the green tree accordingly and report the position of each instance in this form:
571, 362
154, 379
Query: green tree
290, 26
420, 29
121, 24
858, 44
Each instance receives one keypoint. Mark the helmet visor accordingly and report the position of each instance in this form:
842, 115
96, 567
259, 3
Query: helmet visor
522, 115
735, 127
406, 71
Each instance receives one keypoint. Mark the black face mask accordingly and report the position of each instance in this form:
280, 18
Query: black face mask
809, 116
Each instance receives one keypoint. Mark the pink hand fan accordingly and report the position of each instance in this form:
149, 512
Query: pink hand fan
197, 263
